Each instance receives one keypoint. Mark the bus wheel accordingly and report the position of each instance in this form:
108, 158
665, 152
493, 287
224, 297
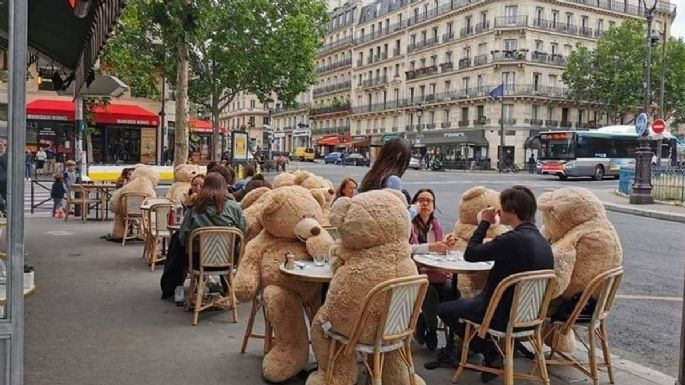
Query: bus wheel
563, 177
599, 173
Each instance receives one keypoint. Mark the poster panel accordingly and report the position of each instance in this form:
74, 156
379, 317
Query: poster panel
239, 140
148, 145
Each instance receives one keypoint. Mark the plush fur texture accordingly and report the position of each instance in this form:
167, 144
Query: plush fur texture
283, 179
584, 242
373, 248
183, 175
143, 180
472, 202
317, 185
283, 211
252, 204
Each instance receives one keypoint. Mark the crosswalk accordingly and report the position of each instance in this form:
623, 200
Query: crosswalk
41, 193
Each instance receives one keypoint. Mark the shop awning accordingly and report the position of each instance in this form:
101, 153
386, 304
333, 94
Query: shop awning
199, 125
357, 143
113, 113
329, 141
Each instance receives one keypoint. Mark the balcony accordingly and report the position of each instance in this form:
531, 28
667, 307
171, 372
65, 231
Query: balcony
421, 72
291, 107
481, 121
430, 126
378, 107
507, 121
360, 62
599, 33
585, 31
555, 26
342, 107
332, 88
334, 66
565, 124
336, 44
396, 52
446, 67
466, 31
480, 60
508, 56
448, 37
445, 124
463, 123
511, 22
377, 81
482, 27
536, 122
545, 58
464, 63
551, 123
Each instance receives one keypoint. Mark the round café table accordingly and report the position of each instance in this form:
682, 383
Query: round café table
307, 271
459, 266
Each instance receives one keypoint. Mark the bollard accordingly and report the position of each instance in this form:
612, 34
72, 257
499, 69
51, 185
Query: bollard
298, 167
258, 169
285, 168
241, 172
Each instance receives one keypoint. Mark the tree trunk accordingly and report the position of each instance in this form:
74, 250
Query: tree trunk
181, 128
89, 147
216, 133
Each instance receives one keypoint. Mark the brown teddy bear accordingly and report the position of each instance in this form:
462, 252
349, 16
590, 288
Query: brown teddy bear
283, 179
183, 175
584, 242
143, 180
472, 202
290, 216
373, 248
321, 185
252, 204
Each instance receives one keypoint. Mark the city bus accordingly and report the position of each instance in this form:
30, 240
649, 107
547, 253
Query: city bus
597, 154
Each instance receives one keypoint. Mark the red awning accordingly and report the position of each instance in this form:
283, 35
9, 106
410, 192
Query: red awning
127, 114
198, 125
328, 141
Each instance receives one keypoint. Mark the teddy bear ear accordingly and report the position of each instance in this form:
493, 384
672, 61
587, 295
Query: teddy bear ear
546, 201
319, 195
473, 192
339, 211
301, 176
273, 202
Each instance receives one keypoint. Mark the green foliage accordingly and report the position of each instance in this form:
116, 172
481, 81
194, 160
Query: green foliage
89, 106
613, 74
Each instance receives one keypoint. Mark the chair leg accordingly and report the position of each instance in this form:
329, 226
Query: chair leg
606, 350
540, 357
268, 331
250, 325
410, 361
591, 356
198, 298
331, 361
153, 252
377, 374
66, 210
234, 300
508, 361
464, 354
123, 240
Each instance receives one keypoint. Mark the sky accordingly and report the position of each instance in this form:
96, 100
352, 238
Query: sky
678, 28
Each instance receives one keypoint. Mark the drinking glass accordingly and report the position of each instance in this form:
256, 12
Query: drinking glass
319, 260
453, 255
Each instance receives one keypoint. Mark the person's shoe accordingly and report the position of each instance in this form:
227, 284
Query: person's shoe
420, 331
432, 340
486, 377
447, 357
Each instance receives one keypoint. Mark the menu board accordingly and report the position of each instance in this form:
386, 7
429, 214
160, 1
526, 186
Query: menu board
148, 145
239, 140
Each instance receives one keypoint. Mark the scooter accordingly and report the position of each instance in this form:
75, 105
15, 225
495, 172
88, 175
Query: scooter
436, 165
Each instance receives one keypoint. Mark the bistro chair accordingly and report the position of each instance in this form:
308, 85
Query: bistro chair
157, 231
400, 300
257, 305
532, 292
147, 205
217, 250
603, 288
133, 216
81, 197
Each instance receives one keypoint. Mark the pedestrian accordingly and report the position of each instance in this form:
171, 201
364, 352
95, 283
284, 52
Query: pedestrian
28, 164
166, 156
71, 176
427, 236
342, 158
521, 250
51, 156
531, 164
41, 157
124, 177
57, 193
241, 184
387, 170
347, 188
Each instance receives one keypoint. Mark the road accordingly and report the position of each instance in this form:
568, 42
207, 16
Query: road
645, 323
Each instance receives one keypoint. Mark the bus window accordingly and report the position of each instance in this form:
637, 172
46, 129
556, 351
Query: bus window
556, 147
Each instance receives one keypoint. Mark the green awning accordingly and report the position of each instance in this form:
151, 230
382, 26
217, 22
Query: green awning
475, 137
378, 142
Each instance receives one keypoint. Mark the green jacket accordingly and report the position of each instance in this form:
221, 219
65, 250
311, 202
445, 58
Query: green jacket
232, 216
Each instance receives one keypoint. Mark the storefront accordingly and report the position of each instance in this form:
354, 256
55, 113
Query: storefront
458, 149
122, 134
329, 143
357, 144
200, 142
301, 138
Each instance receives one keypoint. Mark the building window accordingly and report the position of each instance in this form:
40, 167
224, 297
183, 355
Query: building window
484, 19
424, 36
508, 79
466, 53
446, 116
479, 82
431, 117
482, 49
465, 114
411, 65
468, 23
448, 57
252, 104
534, 113
397, 70
539, 15
555, 18
507, 111
600, 25
397, 47
448, 85
539, 46
434, 60
569, 18
422, 92
465, 84
448, 31
555, 48
536, 81
431, 88
510, 14
510, 44
435, 34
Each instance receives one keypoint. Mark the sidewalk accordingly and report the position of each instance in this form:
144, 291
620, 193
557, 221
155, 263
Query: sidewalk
96, 318
618, 203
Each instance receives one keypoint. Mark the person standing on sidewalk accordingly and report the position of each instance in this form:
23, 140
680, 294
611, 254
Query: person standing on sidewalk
342, 158
57, 193
51, 156
28, 164
531, 164
41, 157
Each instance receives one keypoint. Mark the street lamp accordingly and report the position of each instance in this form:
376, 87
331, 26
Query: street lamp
642, 186
419, 114
267, 105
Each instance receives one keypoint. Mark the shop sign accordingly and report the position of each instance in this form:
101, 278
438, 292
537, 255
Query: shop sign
454, 135
135, 122
297, 133
47, 131
47, 117
148, 145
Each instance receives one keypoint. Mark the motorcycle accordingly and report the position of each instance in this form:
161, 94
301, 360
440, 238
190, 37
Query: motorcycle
436, 165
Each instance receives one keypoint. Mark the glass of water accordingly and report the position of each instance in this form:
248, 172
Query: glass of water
453, 255
319, 260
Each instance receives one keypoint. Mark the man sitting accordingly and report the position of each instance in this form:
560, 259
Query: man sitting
517, 251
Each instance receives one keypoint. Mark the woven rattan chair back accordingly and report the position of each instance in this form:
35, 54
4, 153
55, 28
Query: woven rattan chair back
217, 246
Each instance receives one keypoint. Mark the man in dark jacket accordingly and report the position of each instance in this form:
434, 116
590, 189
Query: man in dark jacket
517, 251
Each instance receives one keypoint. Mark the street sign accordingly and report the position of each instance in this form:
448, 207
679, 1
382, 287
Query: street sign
641, 124
658, 126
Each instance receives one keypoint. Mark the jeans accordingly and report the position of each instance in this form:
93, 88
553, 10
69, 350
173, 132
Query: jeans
436, 294
28, 170
471, 309
57, 203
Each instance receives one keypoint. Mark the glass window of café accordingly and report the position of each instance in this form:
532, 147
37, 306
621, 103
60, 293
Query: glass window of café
116, 144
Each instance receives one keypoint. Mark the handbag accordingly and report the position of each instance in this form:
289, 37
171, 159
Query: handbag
565, 309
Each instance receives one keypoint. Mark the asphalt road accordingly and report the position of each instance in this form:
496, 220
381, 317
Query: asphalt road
644, 330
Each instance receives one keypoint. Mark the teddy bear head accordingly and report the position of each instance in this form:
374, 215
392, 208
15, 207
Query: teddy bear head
146, 172
474, 200
566, 208
185, 172
371, 219
291, 212
283, 179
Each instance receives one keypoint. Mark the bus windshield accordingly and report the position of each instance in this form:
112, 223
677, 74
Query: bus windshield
557, 145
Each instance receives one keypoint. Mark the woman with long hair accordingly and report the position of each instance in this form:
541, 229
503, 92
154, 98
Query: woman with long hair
195, 187
427, 235
347, 188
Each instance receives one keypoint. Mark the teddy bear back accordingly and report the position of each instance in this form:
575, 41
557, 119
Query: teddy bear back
565, 208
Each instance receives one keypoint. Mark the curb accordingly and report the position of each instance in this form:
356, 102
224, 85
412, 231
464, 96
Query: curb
642, 372
644, 213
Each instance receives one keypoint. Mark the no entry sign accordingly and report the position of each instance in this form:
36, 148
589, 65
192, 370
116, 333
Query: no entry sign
658, 126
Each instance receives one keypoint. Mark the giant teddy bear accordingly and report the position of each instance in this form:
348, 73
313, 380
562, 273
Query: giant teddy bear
373, 248
472, 202
183, 175
291, 218
252, 204
143, 181
584, 242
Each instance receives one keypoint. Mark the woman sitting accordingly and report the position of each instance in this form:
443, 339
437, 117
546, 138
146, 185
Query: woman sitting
427, 237
347, 188
195, 187
125, 177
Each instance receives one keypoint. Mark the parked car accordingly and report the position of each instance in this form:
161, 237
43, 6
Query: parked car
333, 157
302, 154
415, 163
357, 160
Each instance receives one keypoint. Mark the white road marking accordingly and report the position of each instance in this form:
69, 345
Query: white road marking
650, 297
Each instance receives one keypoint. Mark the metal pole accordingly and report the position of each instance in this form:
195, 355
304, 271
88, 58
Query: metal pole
648, 66
18, 45
662, 113
81, 160
501, 134
162, 114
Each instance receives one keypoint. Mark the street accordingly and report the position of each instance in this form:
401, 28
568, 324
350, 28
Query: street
645, 322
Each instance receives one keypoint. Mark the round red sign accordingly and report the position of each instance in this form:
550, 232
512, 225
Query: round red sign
658, 126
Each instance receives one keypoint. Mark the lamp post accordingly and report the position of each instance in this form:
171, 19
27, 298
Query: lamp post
269, 137
419, 114
642, 186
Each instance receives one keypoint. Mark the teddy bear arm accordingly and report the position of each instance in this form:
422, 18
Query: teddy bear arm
247, 279
564, 263
319, 244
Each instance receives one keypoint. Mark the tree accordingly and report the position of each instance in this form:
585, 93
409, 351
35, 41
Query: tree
258, 46
612, 76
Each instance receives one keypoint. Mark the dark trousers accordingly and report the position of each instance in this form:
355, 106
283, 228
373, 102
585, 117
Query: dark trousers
436, 294
471, 309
